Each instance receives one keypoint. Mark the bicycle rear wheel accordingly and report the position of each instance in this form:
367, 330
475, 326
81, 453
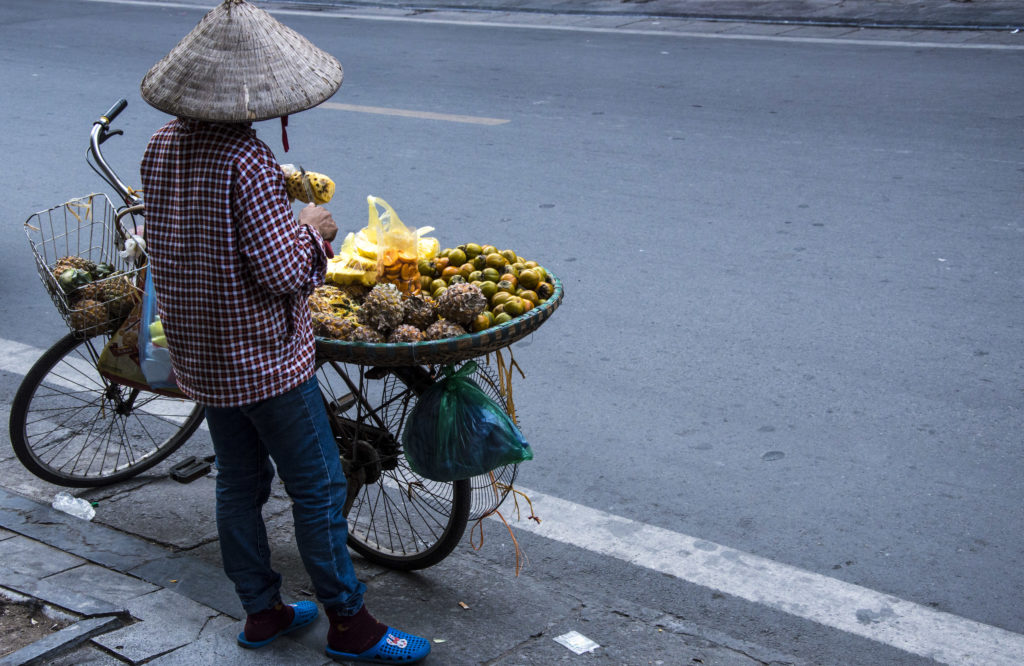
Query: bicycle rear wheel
72, 427
396, 518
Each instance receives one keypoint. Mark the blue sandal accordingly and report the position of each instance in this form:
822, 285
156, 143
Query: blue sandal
396, 647
305, 613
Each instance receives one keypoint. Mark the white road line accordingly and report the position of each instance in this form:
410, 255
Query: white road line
18, 358
405, 113
649, 32
877, 616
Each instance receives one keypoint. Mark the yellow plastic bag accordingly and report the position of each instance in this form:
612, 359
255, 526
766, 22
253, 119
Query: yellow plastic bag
397, 248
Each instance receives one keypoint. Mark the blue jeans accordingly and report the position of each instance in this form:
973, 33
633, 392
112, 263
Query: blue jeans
293, 430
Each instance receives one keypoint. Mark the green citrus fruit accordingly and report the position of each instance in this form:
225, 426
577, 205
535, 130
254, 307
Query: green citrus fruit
502, 318
496, 261
515, 306
488, 288
529, 278
457, 257
529, 295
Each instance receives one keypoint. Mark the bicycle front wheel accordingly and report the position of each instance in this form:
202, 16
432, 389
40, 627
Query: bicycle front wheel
72, 427
398, 519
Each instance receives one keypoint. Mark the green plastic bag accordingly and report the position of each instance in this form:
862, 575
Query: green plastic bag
456, 431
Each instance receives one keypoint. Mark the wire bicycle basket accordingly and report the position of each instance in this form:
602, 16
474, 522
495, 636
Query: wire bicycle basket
88, 231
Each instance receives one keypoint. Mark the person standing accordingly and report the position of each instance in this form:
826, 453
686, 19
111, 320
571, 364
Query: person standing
232, 269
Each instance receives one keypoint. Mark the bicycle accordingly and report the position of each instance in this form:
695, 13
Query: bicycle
72, 426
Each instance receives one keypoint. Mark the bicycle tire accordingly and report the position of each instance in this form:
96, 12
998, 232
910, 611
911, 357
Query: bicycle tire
398, 520
72, 427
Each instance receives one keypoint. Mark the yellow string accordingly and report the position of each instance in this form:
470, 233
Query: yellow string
505, 378
496, 485
504, 388
71, 205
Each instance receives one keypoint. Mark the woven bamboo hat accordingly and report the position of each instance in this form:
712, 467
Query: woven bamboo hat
240, 65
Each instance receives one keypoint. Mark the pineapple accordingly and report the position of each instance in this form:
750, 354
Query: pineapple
319, 304
382, 309
443, 328
329, 326
405, 333
80, 263
120, 295
321, 185
419, 311
365, 334
461, 302
89, 317
88, 291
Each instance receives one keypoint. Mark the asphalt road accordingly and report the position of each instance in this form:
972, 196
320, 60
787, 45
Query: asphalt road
793, 322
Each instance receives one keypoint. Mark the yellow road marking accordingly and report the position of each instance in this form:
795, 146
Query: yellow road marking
405, 113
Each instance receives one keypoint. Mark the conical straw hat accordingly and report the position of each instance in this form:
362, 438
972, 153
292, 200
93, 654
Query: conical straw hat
240, 65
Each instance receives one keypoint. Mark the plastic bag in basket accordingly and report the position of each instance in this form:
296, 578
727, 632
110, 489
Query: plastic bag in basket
397, 248
456, 431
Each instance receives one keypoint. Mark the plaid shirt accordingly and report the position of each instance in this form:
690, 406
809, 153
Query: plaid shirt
231, 266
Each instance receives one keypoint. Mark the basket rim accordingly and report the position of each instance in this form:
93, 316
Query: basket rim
446, 350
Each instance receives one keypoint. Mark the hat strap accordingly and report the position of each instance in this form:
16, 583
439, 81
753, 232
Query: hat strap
284, 132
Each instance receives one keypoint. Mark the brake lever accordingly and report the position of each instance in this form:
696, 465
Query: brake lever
106, 135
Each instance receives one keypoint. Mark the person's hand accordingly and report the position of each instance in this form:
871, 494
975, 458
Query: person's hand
320, 219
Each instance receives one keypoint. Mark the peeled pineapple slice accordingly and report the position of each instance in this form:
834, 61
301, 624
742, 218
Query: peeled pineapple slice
428, 247
365, 246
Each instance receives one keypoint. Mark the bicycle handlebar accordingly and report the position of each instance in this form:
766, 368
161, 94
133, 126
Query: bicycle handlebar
114, 111
100, 133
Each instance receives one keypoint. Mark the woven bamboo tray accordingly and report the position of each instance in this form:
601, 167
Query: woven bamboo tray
439, 352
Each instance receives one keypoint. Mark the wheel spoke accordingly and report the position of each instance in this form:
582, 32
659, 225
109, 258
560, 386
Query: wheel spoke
400, 520
71, 426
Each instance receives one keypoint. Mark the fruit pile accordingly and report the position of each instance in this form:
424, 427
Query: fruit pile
468, 288
99, 296
510, 284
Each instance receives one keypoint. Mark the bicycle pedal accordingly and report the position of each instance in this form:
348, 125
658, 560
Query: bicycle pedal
343, 404
377, 372
190, 469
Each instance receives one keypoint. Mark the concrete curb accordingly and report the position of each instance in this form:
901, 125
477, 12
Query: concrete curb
984, 15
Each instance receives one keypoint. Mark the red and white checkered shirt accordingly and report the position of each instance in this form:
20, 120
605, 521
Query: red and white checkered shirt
231, 265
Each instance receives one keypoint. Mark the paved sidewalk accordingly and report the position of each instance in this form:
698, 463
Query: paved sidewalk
139, 602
